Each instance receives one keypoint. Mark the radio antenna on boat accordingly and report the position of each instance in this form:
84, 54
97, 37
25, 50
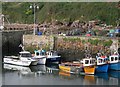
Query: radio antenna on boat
22, 47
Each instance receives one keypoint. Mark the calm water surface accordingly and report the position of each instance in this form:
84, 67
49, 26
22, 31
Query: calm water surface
50, 75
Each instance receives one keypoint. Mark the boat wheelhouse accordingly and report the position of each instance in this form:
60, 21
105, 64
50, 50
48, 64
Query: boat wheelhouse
52, 57
40, 56
114, 62
89, 65
102, 64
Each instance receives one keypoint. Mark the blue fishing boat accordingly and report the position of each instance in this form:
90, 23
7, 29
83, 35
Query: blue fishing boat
114, 61
102, 63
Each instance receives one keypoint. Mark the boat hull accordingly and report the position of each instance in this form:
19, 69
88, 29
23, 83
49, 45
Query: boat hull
53, 60
89, 69
114, 66
17, 62
70, 69
34, 62
65, 68
42, 61
102, 68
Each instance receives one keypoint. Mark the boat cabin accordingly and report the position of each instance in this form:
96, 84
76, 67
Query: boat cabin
25, 54
39, 53
102, 60
114, 58
51, 53
88, 61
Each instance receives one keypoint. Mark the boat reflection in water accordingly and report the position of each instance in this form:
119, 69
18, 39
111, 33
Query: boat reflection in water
102, 75
115, 74
33, 70
43, 75
68, 76
89, 79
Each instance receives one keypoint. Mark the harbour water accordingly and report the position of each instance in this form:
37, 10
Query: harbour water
51, 75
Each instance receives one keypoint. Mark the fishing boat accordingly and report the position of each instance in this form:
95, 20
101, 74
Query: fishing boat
24, 59
89, 65
40, 56
52, 57
70, 67
114, 61
102, 63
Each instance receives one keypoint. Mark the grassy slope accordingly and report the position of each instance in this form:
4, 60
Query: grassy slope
20, 12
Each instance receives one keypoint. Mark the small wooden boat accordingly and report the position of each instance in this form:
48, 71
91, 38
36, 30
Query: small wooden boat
74, 63
89, 65
40, 56
114, 61
68, 67
102, 63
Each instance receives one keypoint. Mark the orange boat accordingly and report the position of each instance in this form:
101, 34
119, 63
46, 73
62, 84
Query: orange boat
89, 65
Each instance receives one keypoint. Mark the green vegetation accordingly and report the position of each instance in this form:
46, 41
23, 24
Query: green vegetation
94, 42
72, 39
107, 12
107, 43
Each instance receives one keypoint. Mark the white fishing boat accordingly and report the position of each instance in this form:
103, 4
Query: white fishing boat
89, 65
24, 59
40, 56
52, 57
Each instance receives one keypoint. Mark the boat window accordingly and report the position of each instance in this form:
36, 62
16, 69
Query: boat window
119, 57
86, 61
90, 61
26, 55
100, 60
116, 58
104, 60
37, 54
112, 58
93, 61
